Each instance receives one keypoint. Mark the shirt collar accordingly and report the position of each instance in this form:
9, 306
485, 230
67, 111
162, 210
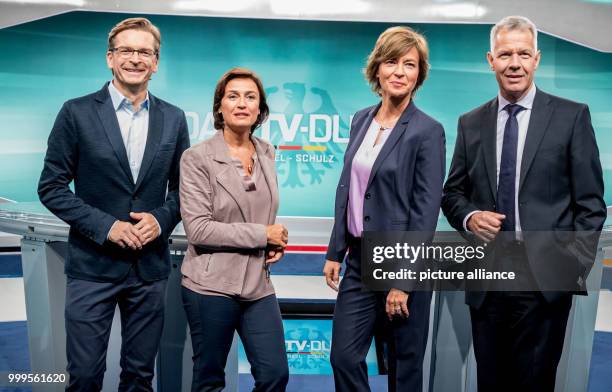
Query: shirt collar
119, 100
526, 101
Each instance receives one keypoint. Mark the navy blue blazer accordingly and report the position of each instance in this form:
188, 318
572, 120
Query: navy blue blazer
404, 190
85, 146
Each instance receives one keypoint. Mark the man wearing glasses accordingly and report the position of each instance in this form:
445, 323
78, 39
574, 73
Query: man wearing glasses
121, 146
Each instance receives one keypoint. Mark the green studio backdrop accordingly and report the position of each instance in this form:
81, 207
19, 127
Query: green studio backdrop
312, 72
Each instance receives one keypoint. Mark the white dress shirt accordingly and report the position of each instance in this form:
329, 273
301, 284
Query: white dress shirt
522, 118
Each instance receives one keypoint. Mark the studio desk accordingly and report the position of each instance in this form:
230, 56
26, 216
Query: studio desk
449, 361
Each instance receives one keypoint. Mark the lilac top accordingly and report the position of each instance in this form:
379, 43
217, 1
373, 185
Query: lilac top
360, 174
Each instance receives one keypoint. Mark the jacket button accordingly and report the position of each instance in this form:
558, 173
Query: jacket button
366, 218
368, 195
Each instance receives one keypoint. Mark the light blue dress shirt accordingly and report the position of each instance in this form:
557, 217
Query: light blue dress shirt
134, 127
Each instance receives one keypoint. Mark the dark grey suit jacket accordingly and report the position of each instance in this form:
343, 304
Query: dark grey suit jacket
560, 187
85, 146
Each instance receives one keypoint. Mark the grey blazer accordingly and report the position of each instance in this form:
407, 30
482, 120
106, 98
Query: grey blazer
215, 215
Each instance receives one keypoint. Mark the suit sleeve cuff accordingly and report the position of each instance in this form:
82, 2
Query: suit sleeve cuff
158, 225
111, 229
262, 237
331, 255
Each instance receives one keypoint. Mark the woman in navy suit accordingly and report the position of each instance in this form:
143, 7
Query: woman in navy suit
391, 181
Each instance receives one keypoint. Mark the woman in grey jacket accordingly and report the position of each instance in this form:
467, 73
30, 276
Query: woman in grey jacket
229, 200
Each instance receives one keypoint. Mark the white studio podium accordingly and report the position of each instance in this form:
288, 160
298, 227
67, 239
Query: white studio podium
449, 364
43, 251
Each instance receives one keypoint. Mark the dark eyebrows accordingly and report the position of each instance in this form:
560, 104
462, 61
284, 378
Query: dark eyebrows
238, 92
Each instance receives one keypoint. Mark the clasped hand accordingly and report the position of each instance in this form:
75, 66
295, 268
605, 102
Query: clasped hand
135, 236
277, 237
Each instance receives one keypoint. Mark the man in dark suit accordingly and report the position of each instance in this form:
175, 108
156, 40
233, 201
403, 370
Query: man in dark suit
525, 161
122, 147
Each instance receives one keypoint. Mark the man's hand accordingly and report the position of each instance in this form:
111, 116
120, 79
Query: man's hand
147, 226
485, 224
397, 304
331, 270
126, 235
274, 254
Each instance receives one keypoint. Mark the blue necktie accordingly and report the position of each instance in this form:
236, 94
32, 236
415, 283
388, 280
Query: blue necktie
507, 169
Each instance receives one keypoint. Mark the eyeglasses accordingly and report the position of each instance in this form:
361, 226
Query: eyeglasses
126, 53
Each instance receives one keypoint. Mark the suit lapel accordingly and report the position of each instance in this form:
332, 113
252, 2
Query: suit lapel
267, 168
227, 178
392, 140
156, 127
108, 118
488, 135
538, 123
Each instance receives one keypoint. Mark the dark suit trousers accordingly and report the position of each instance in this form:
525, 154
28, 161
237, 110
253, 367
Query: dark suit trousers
212, 322
518, 340
357, 315
90, 307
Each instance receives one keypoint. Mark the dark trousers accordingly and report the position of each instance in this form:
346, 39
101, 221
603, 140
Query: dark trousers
212, 322
357, 315
90, 307
518, 340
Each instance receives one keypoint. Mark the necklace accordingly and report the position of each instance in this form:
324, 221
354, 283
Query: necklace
386, 124
239, 153
380, 132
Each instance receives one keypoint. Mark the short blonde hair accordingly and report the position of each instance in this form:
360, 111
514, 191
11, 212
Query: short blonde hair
394, 43
142, 24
